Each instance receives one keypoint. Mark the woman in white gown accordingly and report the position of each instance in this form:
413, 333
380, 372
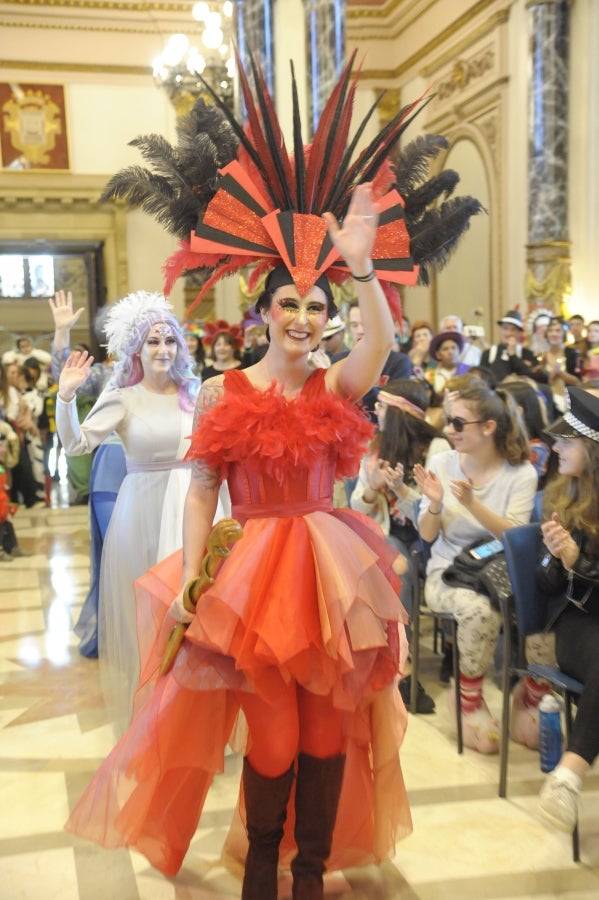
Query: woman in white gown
149, 403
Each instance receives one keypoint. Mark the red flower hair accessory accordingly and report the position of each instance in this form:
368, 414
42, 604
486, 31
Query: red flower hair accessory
221, 326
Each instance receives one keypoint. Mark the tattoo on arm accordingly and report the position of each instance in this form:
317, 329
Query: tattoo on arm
210, 393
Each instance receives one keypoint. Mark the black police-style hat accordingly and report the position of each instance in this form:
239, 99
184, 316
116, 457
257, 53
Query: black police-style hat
581, 419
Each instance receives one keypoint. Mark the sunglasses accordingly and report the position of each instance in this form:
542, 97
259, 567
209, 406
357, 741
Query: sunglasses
459, 424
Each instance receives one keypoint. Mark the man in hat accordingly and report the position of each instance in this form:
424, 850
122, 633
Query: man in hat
509, 357
333, 336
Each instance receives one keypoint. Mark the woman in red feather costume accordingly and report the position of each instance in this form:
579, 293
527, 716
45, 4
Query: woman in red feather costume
302, 630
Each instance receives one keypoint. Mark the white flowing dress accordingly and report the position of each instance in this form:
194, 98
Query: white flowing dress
146, 524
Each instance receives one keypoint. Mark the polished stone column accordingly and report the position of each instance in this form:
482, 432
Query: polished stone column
254, 35
548, 276
325, 24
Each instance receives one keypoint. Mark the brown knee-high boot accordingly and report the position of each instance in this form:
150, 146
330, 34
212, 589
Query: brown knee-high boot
316, 799
266, 811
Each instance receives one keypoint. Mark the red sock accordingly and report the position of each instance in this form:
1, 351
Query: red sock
534, 690
471, 693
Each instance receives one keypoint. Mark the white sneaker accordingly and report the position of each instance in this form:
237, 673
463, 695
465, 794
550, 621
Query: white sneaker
558, 803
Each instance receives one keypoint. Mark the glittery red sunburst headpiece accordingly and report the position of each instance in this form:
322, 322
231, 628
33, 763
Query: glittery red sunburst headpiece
237, 197
268, 207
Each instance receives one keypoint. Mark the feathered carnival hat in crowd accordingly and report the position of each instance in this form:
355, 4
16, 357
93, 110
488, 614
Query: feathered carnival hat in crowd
221, 326
128, 321
236, 197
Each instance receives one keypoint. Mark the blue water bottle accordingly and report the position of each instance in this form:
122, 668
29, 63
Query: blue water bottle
550, 738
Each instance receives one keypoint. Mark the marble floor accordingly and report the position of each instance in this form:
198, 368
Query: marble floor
467, 842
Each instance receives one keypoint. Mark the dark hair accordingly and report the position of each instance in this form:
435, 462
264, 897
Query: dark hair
484, 374
28, 375
230, 340
404, 437
511, 439
279, 277
557, 320
534, 415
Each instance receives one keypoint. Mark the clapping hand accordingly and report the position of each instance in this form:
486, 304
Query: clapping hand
75, 372
429, 484
559, 541
462, 491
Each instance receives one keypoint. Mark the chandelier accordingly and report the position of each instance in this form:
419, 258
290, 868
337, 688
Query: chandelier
207, 53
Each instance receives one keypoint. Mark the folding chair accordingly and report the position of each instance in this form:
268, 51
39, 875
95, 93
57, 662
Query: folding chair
521, 546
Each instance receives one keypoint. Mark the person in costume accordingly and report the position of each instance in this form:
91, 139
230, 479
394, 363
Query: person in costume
223, 343
568, 578
302, 629
149, 404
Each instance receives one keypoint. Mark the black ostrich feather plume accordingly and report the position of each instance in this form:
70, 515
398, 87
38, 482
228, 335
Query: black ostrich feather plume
434, 237
435, 227
180, 180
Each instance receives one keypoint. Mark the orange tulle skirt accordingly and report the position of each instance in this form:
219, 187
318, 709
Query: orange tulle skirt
310, 599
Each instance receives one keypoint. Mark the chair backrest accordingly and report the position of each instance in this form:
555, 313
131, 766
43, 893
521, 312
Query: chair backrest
521, 545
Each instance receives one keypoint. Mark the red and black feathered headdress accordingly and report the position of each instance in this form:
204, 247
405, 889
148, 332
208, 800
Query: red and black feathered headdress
257, 204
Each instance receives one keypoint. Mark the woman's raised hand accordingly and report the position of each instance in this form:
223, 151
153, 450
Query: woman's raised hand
74, 373
61, 308
354, 237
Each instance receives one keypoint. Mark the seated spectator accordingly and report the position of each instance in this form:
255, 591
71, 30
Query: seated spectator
420, 340
396, 366
576, 334
538, 338
470, 354
532, 409
386, 489
333, 336
445, 348
559, 365
590, 360
568, 579
474, 492
509, 356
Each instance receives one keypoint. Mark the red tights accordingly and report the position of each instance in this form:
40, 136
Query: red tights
298, 722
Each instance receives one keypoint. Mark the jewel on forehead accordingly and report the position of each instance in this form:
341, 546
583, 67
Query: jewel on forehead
161, 330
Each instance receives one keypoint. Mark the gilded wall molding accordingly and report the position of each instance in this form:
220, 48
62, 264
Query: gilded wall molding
88, 68
464, 72
108, 6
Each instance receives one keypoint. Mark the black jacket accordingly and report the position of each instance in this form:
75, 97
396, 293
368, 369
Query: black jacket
560, 587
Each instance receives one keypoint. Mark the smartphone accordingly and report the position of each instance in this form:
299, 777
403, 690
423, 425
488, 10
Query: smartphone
486, 550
